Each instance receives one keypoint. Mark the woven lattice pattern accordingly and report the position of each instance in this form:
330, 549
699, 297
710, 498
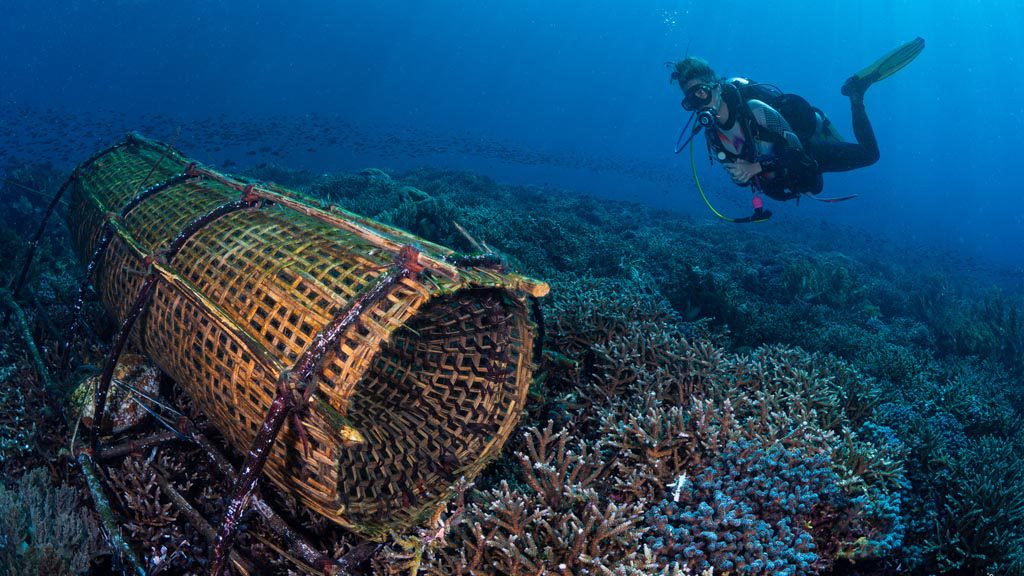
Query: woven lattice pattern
434, 376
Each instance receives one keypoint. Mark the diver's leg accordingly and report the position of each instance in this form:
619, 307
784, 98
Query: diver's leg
843, 156
865, 136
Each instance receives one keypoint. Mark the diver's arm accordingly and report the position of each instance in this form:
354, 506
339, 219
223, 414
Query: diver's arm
789, 162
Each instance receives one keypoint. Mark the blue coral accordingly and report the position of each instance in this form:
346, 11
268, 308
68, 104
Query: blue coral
884, 512
748, 512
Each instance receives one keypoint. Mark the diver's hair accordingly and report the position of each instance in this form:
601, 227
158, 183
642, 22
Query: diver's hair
689, 68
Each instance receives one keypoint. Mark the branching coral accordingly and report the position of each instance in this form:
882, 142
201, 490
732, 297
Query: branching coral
825, 278
42, 530
980, 525
556, 524
752, 511
647, 448
151, 518
558, 475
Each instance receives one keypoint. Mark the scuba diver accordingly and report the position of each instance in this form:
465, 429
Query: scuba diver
773, 142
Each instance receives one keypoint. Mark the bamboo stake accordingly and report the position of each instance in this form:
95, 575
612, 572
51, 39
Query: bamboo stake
49, 384
133, 446
107, 518
243, 564
296, 543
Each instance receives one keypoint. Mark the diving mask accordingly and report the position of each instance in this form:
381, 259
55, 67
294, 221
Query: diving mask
697, 96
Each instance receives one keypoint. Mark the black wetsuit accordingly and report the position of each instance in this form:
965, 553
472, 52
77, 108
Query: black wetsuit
788, 168
834, 156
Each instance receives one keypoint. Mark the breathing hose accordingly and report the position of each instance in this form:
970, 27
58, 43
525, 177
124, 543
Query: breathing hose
696, 180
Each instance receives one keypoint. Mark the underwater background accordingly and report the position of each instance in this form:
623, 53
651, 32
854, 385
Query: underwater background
566, 93
836, 391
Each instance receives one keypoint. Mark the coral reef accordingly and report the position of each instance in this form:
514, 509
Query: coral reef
677, 429
981, 509
42, 530
709, 400
752, 511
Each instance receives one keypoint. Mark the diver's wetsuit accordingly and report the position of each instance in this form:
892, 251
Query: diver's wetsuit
756, 132
788, 169
837, 156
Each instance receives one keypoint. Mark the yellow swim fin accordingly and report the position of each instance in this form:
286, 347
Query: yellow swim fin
884, 67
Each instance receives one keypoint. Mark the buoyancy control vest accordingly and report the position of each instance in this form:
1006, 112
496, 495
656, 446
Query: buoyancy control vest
808, 122
769, 138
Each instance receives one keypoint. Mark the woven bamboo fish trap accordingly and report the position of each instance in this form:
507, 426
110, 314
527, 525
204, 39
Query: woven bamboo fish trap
423, 389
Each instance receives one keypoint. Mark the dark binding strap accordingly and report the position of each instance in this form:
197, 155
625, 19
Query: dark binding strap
301, 379
142, 301
101, 246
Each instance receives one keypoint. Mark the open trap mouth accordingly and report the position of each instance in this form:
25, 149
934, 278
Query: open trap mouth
436, 404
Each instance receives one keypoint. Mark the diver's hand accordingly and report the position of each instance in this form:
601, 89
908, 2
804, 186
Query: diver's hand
742, 171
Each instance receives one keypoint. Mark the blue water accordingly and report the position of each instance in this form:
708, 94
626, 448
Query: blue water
569, 94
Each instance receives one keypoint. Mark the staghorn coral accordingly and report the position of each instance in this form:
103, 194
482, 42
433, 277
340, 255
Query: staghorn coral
826, 278
1005, 319
650, 446
556, 523
655, 395
589, 311
150, 519
900, 366
980, 397
872, 458
753, 514
980, 525
559, 476
518, 536
42, 530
